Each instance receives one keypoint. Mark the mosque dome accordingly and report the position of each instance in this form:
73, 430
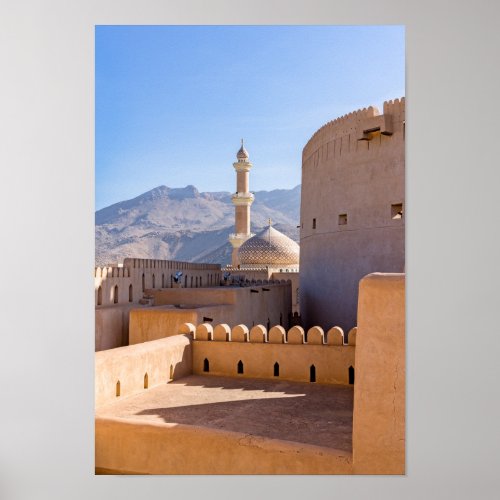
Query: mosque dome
269, 248
242, 154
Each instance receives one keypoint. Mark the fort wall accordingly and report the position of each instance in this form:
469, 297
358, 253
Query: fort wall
379, 391
121, 285
119, 289
223, 347
128, 446
352, 210
294, 362
112, 326
269, 275
269, 304
132, 369
376, 349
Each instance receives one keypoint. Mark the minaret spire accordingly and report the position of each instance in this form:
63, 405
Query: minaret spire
242, 200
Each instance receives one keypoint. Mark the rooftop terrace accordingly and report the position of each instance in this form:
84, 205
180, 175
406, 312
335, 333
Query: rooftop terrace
307, 413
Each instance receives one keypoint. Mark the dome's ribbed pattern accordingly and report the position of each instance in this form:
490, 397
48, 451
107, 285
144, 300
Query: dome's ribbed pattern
269, 248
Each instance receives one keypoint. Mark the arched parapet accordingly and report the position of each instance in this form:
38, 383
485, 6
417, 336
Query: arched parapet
335, 336
240, 333
316, 335
204, 331
296, 335
187, 328
258, 334
277, 335
222, 333
351, 336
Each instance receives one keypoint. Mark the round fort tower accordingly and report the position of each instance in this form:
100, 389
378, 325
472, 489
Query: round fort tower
352, 211
242, 200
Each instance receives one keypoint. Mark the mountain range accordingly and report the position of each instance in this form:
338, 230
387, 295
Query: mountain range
184, 224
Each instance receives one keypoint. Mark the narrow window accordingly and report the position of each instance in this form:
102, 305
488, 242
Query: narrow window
185, 281
312, 374
118, 389
201, 281
130, 294
115, 295
171, 372
240, 366
342, 219
276, 369
314, 223
153, 280
146, 381
206, 365
99, 296
143, 282
351, 375
163, 281
397, 211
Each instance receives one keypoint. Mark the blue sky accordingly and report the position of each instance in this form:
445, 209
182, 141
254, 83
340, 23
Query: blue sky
173, 102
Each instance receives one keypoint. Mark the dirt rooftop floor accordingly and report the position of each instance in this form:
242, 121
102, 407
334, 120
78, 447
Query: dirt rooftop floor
292, 411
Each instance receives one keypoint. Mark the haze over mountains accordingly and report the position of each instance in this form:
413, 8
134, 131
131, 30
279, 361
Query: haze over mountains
184, 224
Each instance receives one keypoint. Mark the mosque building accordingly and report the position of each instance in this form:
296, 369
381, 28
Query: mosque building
269, 254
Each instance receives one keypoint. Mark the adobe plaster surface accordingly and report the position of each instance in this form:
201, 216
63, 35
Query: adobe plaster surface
313, 414
232, 305
379, 390
345, 174
331, 362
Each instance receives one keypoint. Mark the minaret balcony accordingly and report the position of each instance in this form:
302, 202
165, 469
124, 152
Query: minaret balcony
242, 166
237, 239
242, 199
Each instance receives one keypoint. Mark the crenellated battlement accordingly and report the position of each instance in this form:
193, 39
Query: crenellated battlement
256, 352
168, 264
353, 125
395, 107
115, 285
338, 126
258, 334
111, 272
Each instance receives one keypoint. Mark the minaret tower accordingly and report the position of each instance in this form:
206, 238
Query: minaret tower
242, 200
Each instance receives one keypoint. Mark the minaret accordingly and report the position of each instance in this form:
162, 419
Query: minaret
242, 200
